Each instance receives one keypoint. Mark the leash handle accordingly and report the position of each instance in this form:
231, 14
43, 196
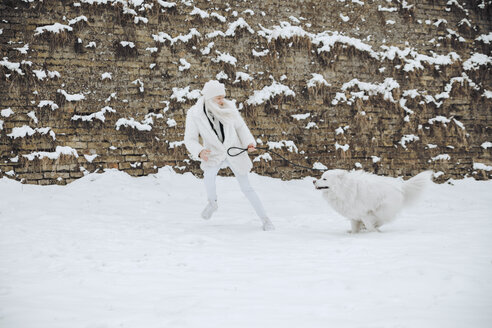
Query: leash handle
242, 150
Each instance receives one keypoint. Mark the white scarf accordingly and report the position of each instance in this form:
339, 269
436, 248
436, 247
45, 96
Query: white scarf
225, 114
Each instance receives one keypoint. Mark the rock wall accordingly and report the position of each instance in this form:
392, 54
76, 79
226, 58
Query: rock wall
392, 87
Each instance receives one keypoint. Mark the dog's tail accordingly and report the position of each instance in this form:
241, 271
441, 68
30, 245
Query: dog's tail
413, 187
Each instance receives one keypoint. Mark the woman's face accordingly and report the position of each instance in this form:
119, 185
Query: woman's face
219, 100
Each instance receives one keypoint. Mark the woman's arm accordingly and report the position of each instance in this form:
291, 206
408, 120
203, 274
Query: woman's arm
191, 137
244, 133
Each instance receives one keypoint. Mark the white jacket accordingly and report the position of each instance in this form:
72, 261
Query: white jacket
236, 134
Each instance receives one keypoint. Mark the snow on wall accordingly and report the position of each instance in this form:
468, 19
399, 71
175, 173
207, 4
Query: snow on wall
433, 75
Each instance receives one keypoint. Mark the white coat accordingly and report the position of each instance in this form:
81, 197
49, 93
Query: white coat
236, 134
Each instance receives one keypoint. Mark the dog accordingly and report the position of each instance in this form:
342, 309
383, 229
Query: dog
369, 200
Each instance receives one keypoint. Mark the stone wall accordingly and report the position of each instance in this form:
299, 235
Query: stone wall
402, 86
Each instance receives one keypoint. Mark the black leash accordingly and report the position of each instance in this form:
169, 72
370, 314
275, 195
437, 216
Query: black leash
242, 150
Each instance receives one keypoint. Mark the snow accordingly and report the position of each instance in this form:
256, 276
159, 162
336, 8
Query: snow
99, 115
174, 144
162, 37
339, 130
60, 150
132, 123
206, 50
269, 92
32, 115
477, 60
260, 53
55, 28
53, 74
242, 77
342, 147
452, 33
301, 116
265, 156
15, 67
171, 122
24, 49
221, 76
140, 84
375, 159
441, 119
290, 145
311, 125
77, 19
441, 157
41, 74
481, 166
7, 112
25, 130
317, 79
465, 21
184, 65
319, 166
486, 145
294, 19
138, 19
367, 89
381, 8
90, 158
166, 4
127, 44
238, 24
181, 93
225, 57
69, 97
110, 250
106, 75
199, 12
344, 18
49, 103
439, 22
485, 38
408, 138
249, 12
220, 18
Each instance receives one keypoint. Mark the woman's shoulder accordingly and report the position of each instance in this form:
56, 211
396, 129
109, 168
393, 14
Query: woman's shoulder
195, 109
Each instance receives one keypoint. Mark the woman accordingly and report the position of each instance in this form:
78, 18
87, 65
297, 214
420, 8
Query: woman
220, 126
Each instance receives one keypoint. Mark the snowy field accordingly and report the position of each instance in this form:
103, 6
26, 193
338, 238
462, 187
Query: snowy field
110, 250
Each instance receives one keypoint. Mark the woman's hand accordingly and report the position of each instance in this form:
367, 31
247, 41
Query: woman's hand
204, 154
251, 148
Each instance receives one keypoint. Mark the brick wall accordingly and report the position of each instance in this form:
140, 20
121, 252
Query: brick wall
417, 103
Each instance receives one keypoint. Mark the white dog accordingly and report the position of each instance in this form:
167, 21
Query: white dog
369, 199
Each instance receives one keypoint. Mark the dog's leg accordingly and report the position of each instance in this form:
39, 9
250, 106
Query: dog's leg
370, 221
355, 226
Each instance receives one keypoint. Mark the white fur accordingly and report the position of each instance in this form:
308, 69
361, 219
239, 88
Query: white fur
368, 198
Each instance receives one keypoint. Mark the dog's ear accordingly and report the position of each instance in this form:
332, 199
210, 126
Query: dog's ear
340, 173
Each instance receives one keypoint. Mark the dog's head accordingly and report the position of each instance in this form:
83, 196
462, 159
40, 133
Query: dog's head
329, 180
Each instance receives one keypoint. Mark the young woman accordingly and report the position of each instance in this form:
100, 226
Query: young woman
217, 121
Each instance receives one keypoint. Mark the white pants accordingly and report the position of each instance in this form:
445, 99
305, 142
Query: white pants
209, 175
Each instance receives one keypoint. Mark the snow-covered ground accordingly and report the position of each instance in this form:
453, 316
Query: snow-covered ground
110, 250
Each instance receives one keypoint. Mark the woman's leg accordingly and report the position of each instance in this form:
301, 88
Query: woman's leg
249, 192
209, 175
254, 200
